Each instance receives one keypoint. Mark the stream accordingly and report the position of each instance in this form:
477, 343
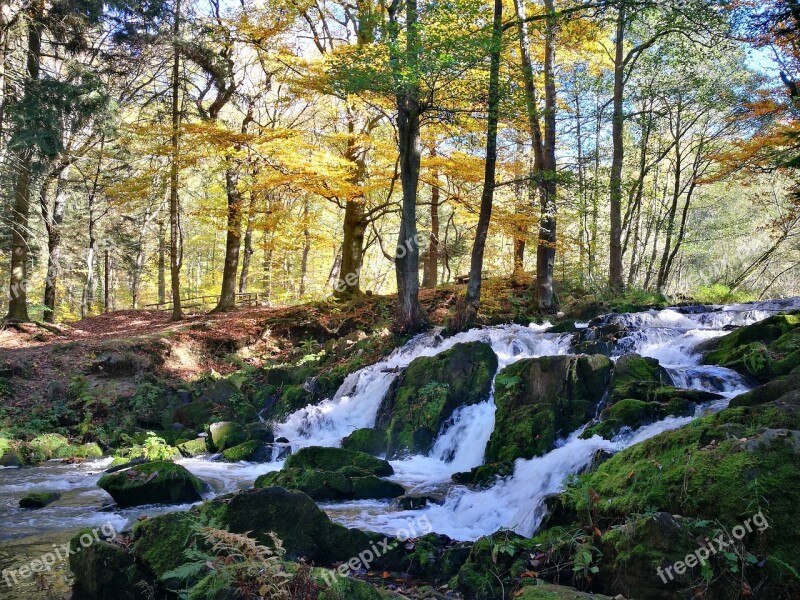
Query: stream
516, 502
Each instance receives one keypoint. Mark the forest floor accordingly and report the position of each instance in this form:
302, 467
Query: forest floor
40, 358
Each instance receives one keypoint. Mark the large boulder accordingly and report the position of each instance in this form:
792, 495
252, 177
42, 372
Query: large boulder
772, 390
225, 434
430, 389
541, 400
637, 377
306, 531
105, 571
762, 351
369, 440
731, 469
334, 474
159, 482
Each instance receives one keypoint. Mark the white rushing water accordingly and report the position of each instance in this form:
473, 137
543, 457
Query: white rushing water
516, 502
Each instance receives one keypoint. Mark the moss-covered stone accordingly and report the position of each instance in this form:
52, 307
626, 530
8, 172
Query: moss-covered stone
370, 440
483, 475
37, 500
548, 591
335, 459
762, 351
160, 542
371, 487
772, 390
105, 571
225, 434
540, 400
424, 397
494, 566
160, 482
723, 469
252, 451
332, 485
637, 377
48, 446
193, 448
195, 415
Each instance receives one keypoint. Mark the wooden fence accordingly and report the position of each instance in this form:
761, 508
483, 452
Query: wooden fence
241, 300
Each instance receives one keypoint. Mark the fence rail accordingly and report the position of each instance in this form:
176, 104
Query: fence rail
241, 300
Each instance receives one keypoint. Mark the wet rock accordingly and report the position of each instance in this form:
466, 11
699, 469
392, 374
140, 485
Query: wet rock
370, 440
415, 502
158, 482
251, 451
106, 571
335, 459
38, 500
540, 400
224, 435
193, 448
429, 390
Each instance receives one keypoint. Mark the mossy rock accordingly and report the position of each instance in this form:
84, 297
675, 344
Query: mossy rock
352, 589
195, 415
193, 448
335, 459
371, 487
48, 446
495, 564
252, 451
290, 398
637, 377
725, 468
306, 531
432, 557
769, 391
483, 476
159, 482
105, 571
225, 434
541, 400
429, 390
38, 500
762, 351
369, 440
548, 591
331, 485
160, 543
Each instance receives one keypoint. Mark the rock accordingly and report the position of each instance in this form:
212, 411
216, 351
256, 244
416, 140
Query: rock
218, 391
195, 415
159, 482
762, 351
335, 459
415, 502
371, 441
483, 476
48, 446
549, 591
117, 363
37, 500
637, 377
193, 448
431, 556
487, 573
105, 571
769, 391
540, 400
709, 472
252, 451
334, 474
424, 397
224, 435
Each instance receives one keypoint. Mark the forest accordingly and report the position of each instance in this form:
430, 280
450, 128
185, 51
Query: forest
154, 152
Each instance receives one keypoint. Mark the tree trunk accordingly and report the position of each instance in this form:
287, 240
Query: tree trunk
546, 250
233, 238
411, 316
52, 222
248, 246
162, 262
306, 248
473, 296
430, 270
23, 181
267, 270
617, 130
175, 242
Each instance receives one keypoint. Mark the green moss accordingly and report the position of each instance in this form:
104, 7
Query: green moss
370, 440
159, 482
38, 499
225, 434
540, 400
637, 377
250, 451
634, 413
193, 448
160, 542
428, 392
334, 459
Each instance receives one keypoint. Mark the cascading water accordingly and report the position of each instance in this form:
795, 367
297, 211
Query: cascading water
516, 502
